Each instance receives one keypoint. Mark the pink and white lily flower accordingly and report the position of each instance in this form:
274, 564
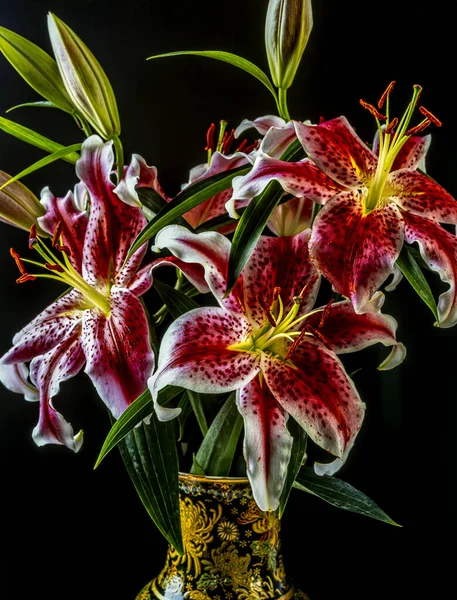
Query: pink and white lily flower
374, 200
266, 341
100, 322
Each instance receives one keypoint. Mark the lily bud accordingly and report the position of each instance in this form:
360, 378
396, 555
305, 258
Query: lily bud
18, 205
85, 81
287, 29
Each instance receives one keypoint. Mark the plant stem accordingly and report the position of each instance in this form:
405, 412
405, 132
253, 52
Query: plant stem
283, 110
119, 157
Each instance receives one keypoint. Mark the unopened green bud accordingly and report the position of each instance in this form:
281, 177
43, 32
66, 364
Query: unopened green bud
287, 29
18, 205
85, 81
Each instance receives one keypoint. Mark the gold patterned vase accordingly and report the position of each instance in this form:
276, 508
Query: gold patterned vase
232, 548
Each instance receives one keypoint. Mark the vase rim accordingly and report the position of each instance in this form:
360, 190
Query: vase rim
212, 478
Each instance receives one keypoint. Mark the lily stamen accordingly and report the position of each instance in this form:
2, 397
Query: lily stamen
386, 94
429, 115
418, 128
373, 110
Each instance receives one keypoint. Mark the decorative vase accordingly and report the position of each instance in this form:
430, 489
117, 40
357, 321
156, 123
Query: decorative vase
232, 548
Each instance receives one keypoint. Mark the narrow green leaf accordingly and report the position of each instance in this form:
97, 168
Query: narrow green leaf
196, 403
177, 302
186, 411
297, 457
134, 414
35, 139
150, 456
151, 199
39, 104
254, 219
47, 160
411, 270
216, 452
232, 59
340, 494
35, 65
191, 196
196, 467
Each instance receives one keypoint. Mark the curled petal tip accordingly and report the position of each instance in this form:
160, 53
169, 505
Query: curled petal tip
396, 357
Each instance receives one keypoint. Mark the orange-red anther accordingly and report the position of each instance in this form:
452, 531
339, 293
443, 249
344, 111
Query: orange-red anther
25, 277
325, 313
57, 233
418, 128
373, 110
227, 142
317, 334
276, 292
386, 93
310, 283
321, 120
18, 261
430, 116
210, 138
52, 267
250, 147
267, 311
391, 125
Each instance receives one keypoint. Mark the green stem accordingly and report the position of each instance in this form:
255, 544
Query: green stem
282, 99
119, 157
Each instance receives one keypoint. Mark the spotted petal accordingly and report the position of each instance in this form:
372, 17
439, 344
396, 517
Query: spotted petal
412, 153
113, 225
47, 330
74, 223
438, 248
47, 372
355, 252
297, 178
346, 331
420, 195
336, 149
267, 443
118, 352
137, 175
314, 388
195, 353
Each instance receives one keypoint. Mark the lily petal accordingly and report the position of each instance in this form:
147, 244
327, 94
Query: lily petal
336, 149
52, 428
346, 331
278, 139
267, 443
265, 271
438, 248
261, 124
297, 178
137, 175
420, 195
314, 388
291, 217
113, 225
47, 330
15, 378
195, 353
74, 223
118, 352
356, 253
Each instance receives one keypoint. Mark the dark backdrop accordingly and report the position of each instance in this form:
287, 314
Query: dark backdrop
69, 532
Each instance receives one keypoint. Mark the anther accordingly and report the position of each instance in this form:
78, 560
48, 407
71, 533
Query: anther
250, 147
430, 116
276, 292
25, 277
325, 313
373, 110
18, 261
210, 137
321, 120
385, 94
317, 334
309, 285
227, 142
418, 128
33, 238
57, 233
52, 267
391, 126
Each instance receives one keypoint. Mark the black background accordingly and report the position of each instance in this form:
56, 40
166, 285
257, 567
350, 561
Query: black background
67, 531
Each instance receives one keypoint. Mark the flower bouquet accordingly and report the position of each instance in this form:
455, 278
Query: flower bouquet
221, 325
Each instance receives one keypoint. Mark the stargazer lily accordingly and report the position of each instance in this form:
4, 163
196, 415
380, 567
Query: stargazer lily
266, 341
100, 322
374, 200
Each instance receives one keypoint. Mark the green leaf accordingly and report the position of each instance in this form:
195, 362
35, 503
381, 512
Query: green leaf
134, 414
411, 270
150, 456
196, 468
254, 219
340, 494
297, 457
39, 104
191, 196
232, 59
35, 139
151, 199
186, 411
196, 403
47, 160
216, 452
176, 302
35, 65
